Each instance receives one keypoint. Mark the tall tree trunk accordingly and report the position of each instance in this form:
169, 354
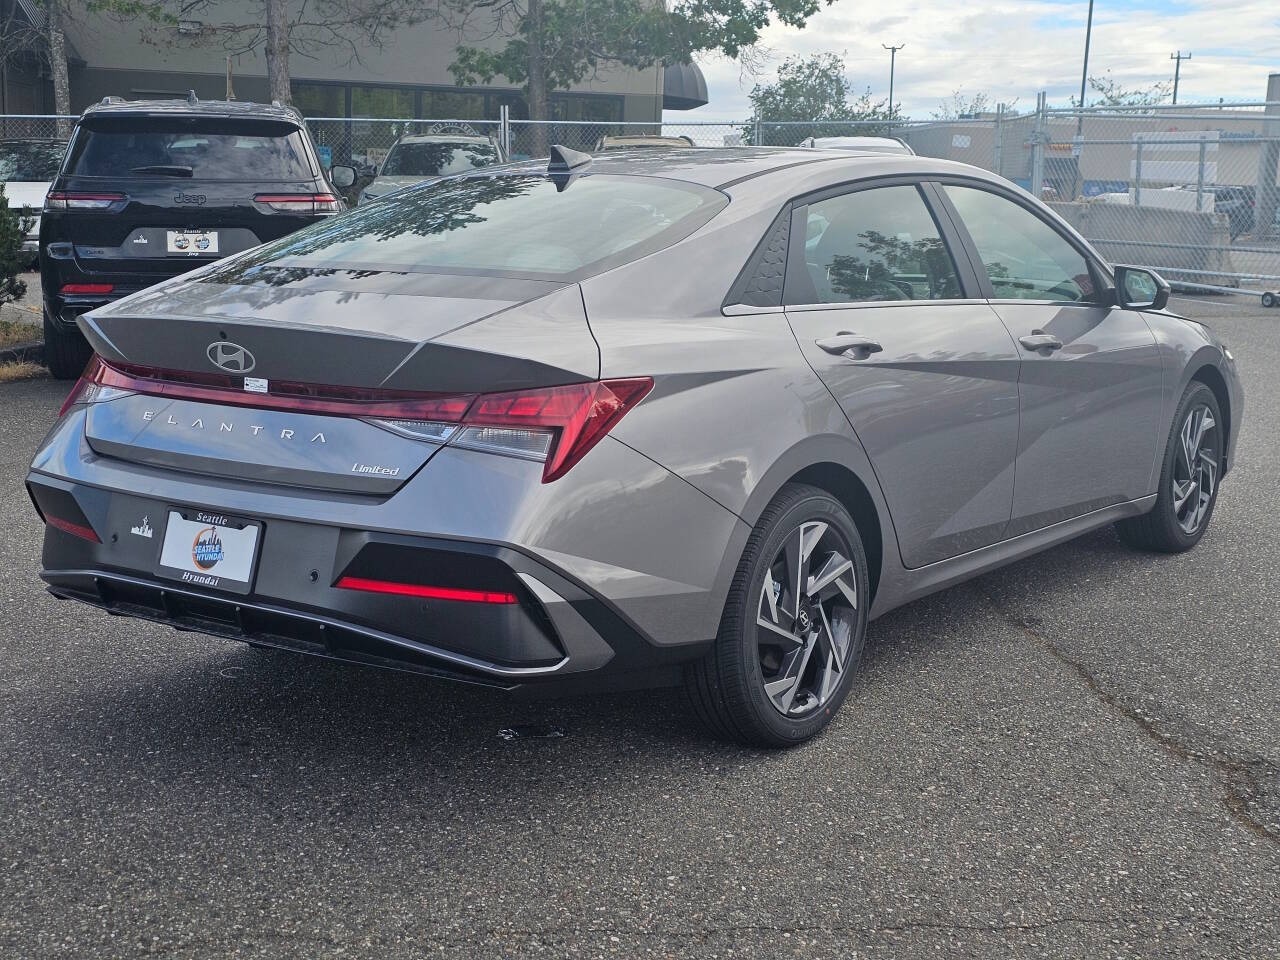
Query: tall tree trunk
278, 51
58, 67
537, 79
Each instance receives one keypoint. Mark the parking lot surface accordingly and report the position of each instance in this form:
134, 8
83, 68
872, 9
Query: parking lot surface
1073, 756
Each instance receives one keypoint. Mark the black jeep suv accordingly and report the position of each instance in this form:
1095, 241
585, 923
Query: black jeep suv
152, 189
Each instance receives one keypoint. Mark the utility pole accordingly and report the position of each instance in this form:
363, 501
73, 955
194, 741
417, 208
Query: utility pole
1084, 71
1179, 56
893, 56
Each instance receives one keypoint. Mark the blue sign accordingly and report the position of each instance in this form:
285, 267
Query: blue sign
326, 156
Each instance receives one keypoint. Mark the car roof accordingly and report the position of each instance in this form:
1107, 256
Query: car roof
191, 107
768, 170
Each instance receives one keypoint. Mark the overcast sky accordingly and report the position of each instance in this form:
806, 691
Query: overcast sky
1013, 48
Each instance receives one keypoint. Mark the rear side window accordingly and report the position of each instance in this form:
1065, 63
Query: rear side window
878, 244
436, 159
1025, 258
189, 148
514, 225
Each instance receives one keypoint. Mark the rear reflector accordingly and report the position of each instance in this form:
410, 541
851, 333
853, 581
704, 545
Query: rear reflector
87, 288
429, 593
75, 529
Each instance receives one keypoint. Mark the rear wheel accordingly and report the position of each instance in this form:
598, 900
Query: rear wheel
65, 351
1188, 478
793, 627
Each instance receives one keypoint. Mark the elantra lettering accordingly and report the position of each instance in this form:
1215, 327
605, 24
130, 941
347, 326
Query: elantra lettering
225, 426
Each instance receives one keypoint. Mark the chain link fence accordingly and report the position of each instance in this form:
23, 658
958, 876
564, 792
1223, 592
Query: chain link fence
1189, 190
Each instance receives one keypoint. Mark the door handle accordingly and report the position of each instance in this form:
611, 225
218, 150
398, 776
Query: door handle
1041, 341
852, 345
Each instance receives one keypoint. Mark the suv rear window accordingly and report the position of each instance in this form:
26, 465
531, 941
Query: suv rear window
508, 225
188, 148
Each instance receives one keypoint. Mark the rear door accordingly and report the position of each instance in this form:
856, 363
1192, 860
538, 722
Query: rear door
1090, 387
187, 190
892, 322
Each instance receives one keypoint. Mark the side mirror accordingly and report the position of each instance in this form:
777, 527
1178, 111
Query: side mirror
1140, 289
342, 176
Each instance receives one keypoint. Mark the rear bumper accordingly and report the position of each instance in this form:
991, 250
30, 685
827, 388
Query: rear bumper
614, 567
557, 635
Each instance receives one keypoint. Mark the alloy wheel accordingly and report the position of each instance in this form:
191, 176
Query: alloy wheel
806, 618
1195, 468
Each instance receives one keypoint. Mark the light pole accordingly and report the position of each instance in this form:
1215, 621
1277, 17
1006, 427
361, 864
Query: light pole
893, 56
1179, 56
1084, 71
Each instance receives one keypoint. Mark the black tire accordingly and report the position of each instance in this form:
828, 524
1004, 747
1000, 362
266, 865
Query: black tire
1160, 529
1268, 299
65, 351
727, 687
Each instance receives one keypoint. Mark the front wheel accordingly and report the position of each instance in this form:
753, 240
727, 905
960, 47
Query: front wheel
793, 628
1188, 478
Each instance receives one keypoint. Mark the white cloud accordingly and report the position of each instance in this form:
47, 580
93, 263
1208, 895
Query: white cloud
1013, 50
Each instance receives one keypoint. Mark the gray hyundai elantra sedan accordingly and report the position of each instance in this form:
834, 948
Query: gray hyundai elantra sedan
675, 417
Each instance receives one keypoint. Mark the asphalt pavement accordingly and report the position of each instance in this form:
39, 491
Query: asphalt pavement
1075, 756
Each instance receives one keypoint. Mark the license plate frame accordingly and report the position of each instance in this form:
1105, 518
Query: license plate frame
191, 243
227, 560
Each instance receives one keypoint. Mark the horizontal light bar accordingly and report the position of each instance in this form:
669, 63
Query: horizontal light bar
428, 593
75, 529
87, 288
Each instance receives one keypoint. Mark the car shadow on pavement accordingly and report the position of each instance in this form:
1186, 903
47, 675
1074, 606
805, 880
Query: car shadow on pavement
202, 699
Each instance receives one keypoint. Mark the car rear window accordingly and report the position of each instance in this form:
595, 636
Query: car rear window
436, 159
34, 161
189, 148
511, 225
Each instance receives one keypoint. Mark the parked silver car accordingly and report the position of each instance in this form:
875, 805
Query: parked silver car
679, 417
413, 159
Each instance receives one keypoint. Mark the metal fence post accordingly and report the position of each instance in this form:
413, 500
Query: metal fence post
758, 141
504, 130
997, 158
1137, 173
1200, 179
1038, 138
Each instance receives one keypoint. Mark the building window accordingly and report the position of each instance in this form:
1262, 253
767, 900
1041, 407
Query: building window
392, 103
320, 99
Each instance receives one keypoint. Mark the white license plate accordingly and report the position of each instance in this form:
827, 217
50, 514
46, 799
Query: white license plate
183, 241
209, 550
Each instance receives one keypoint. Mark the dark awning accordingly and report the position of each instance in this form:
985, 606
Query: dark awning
683, 87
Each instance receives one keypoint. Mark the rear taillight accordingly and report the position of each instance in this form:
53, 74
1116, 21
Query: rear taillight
71, 200
91, 288
299, 202
91, 388
554, 425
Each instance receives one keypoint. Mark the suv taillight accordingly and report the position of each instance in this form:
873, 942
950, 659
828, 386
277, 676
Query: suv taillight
299, 202
67, 200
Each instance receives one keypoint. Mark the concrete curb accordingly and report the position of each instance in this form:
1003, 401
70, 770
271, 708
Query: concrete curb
32, 352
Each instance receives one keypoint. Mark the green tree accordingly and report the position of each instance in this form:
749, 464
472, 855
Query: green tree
814, 89
13, 261
961, 104
552, 44
1111, 94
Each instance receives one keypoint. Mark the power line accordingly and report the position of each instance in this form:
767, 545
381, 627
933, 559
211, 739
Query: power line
1177, 70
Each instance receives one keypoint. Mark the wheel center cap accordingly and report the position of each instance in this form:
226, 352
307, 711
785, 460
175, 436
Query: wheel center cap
805, 621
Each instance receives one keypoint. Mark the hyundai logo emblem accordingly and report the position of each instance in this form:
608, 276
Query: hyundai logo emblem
230, 357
